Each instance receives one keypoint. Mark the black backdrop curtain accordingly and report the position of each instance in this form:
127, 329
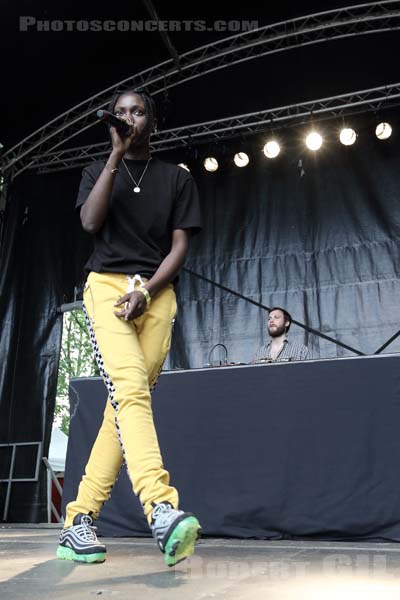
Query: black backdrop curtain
321, 240
324, 244
41, 242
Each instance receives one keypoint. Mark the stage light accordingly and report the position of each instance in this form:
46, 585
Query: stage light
271, 149
210, 164
383, 131
314, 141
241, 159
184, 166
347, 136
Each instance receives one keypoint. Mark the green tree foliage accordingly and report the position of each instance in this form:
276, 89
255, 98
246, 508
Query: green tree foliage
76, 360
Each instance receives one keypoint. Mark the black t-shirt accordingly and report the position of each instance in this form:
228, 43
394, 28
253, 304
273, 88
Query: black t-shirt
137, 233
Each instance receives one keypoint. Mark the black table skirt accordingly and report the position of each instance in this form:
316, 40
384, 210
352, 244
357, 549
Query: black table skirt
266, 451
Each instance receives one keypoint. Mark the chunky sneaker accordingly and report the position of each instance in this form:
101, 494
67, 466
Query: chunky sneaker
79, 542
175, 532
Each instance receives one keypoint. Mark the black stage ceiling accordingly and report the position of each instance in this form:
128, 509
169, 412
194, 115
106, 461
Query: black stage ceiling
46, 73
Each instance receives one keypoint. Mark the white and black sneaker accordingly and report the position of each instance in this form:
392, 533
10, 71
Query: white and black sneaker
175, 532
79, 542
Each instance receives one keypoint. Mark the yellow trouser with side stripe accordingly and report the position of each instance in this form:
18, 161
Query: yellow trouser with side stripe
130, 355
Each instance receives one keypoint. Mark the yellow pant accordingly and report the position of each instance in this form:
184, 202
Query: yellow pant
130, 355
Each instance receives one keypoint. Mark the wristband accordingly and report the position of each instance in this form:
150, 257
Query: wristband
146, 295
112, 169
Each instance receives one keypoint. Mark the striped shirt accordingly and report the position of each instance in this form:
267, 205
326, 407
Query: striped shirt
289, 351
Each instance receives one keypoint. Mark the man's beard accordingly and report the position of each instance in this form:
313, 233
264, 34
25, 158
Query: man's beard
277, 332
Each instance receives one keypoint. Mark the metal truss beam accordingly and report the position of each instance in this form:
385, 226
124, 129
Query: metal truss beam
361, 19
332, 107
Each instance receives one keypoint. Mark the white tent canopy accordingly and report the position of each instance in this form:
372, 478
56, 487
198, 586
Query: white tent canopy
58, 450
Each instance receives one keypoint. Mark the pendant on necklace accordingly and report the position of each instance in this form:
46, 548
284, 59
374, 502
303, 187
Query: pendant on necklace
136, 189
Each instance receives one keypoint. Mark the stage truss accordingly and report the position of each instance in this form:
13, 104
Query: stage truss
374, 99
361, 19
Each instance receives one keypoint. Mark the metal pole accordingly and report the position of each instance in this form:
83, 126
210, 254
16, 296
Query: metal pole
10, 477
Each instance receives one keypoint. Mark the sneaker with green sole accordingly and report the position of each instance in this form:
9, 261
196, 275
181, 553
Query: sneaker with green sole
79, 542
175, 532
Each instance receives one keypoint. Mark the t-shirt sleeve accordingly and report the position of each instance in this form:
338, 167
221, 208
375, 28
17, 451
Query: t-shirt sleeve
187, 214
90, 175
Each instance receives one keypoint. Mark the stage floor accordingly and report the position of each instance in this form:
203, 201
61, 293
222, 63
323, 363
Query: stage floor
234, 569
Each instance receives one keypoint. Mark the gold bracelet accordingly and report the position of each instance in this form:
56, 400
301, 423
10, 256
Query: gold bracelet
112, 169
146, 295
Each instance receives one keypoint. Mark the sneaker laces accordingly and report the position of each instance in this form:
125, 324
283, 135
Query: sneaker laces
162, 513
85, 529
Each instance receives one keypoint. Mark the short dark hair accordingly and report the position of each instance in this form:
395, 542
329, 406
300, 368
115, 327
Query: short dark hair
287, 316
149, 105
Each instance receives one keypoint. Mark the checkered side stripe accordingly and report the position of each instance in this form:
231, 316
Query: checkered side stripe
105, 376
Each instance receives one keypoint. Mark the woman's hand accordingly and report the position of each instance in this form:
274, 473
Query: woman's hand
135, 305
122, 143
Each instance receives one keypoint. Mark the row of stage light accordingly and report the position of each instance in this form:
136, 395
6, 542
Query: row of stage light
313, 141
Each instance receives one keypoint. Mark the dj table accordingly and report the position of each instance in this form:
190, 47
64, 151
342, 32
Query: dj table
280, 450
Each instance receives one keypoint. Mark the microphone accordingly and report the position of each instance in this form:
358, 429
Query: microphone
212, 350
120, 125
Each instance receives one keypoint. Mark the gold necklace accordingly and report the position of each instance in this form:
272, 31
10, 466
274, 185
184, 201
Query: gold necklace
136, 189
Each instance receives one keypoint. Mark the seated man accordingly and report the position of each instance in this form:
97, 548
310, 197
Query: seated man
279, 348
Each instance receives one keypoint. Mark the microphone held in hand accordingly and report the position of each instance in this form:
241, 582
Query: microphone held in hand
121, 126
